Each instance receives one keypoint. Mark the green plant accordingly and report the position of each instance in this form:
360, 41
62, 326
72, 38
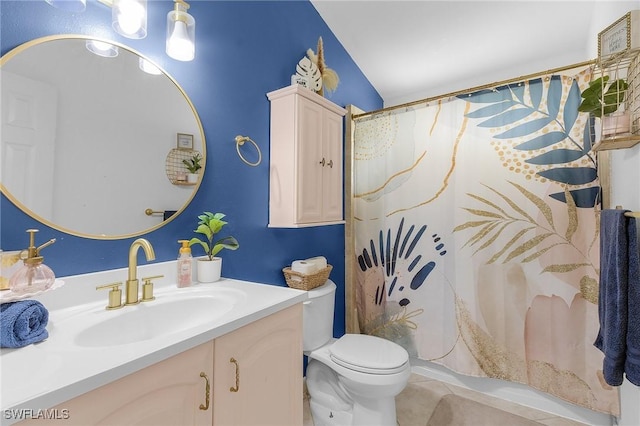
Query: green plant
209, 225
603, 97
193, 163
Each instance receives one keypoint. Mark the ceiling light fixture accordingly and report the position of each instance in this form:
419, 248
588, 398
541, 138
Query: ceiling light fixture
129, 18
181, 33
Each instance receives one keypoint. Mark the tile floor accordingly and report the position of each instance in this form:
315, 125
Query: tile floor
417, 401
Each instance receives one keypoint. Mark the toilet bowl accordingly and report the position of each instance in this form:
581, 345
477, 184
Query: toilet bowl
352, 380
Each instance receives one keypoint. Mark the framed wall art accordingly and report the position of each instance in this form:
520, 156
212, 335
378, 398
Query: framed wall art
185, 141
624, 34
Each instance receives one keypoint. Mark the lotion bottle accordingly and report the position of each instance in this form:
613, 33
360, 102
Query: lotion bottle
184, 264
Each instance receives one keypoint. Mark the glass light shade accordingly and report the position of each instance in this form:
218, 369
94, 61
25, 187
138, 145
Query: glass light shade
69, 5
181, 35
102, 48
129, 18
148, 67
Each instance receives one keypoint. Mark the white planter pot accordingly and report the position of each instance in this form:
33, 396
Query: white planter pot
192, 177
208, 271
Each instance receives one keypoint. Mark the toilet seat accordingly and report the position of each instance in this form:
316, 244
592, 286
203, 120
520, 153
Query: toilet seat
368, 354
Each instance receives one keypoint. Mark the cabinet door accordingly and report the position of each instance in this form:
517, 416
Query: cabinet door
167, 393
309, 145
258, 372
332, 187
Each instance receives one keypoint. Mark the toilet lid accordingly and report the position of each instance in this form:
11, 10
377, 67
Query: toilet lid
369, 354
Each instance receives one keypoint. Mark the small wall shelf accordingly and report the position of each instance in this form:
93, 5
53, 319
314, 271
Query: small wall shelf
174, 165
625, 64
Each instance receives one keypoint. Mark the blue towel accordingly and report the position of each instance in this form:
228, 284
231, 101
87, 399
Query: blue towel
619, 298
632, 363
22, 323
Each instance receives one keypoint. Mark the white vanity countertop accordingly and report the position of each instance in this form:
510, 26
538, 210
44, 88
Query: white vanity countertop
48, 373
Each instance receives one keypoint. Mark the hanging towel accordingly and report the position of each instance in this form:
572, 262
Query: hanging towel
632, 363
617, 261
22, 323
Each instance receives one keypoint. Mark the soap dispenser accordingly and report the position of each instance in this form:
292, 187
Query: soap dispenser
34, 275
185, 266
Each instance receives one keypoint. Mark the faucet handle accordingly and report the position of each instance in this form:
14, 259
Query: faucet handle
147, 288
115, 295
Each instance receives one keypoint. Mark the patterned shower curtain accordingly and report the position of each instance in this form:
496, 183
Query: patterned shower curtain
476, 235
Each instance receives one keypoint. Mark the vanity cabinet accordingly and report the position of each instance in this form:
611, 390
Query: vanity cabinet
306, 157
258, 372
261, 386
167, 393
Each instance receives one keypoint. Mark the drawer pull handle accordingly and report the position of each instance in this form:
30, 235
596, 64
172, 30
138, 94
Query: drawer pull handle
205, 406
330, 164
237, 386
322, 163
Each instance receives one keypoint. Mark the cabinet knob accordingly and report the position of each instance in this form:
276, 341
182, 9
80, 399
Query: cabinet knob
324, 163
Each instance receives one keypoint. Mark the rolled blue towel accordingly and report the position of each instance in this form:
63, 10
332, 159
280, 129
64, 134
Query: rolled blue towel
22, 323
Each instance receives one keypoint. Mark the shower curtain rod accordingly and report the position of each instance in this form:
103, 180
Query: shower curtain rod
474, 89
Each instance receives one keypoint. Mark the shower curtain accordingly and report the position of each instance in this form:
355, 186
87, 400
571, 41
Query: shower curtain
476, 235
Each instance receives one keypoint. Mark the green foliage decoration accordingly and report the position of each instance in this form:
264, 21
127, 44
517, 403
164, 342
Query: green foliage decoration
209, 225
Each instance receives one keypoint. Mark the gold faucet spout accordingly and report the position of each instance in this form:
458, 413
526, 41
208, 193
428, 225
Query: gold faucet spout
132, 281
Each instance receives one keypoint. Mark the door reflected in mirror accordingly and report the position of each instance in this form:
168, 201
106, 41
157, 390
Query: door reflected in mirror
88, 141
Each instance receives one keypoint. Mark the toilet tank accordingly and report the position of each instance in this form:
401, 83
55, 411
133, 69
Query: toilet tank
317, 316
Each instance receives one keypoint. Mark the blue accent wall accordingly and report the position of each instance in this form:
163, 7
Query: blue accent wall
244, 49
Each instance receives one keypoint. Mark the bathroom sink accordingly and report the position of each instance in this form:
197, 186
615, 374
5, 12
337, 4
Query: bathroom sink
168, 314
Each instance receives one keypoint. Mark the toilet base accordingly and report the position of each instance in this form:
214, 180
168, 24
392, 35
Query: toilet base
323, 416
338, 400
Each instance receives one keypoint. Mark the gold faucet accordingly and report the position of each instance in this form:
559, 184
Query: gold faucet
132, 281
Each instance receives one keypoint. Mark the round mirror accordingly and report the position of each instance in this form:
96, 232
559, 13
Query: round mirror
92, 144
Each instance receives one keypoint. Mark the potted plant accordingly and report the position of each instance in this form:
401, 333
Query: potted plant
209, 267
193, 165
602, 99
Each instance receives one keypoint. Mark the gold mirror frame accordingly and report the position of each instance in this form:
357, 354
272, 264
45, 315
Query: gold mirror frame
115, 205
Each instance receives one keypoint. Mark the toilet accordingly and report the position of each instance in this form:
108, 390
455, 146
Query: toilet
352, 380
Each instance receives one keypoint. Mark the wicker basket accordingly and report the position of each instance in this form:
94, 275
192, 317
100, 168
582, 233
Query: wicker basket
306, 282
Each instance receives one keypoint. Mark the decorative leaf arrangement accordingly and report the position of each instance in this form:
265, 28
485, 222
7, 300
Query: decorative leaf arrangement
494, 220
602, 97
209, 225
330, 78
310, 74
509, 105
193, 164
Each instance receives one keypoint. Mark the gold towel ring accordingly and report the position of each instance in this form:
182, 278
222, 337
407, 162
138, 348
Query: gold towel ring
240, 140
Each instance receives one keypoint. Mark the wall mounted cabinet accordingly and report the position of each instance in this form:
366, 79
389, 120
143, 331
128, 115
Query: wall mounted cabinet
306, 150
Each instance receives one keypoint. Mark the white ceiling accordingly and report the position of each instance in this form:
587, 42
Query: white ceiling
411, 50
